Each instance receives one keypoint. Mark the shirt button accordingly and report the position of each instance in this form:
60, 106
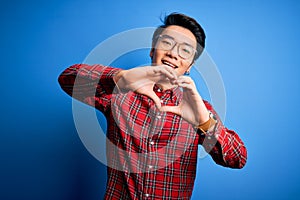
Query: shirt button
150, 166
158, 116
161, 101
152, 143
147, 195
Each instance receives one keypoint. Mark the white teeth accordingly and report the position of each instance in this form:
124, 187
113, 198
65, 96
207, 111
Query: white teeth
169, 64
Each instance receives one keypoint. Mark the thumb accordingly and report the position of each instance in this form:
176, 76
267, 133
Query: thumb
155, 98
151, 94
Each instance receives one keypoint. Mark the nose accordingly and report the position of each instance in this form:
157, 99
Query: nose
173, 52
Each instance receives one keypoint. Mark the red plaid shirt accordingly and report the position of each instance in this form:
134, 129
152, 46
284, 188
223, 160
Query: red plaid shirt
151, 154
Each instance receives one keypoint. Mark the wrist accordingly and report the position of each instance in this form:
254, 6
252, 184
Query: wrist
118, 76
209, 124
119, 80
204, 118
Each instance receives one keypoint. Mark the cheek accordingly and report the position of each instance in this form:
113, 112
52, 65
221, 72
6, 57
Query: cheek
185, 65
156, 54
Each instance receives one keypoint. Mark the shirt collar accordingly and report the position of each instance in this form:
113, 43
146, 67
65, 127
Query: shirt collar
169, 92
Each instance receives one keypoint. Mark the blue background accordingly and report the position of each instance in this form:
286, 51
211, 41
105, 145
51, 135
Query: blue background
255, 45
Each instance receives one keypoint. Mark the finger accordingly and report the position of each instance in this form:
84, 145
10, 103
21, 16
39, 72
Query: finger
186, 83
141, 86
166, 72
186, 86
184, 79
171, 70
151, 94
155, 99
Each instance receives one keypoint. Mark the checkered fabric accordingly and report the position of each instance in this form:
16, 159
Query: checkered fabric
150, 154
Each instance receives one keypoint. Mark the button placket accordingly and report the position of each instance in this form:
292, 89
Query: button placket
148, 182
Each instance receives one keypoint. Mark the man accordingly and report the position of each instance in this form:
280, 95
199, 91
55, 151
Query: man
156, 117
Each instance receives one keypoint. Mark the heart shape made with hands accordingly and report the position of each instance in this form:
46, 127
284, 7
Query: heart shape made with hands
142, 80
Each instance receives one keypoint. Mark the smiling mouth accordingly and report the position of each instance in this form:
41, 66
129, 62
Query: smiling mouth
169, 64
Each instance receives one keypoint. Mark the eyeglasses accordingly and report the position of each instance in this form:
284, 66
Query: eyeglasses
167, 43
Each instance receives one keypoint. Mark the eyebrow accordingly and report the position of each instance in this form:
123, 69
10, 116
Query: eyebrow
168, 36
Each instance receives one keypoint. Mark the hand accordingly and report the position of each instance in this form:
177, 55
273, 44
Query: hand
192, 107
143, 79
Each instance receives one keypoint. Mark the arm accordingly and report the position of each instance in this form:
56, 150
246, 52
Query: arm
91, 84
224, 145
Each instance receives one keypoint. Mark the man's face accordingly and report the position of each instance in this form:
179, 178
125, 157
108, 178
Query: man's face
175, 48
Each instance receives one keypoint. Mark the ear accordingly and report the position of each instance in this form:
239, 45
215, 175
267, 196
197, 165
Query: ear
151, 52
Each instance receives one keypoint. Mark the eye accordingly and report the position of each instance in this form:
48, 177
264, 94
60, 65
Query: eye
186, 49
166, 42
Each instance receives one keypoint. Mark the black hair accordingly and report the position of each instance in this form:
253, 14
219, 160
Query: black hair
187, 22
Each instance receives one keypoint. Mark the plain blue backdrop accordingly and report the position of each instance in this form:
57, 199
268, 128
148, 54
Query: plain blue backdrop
255, 45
